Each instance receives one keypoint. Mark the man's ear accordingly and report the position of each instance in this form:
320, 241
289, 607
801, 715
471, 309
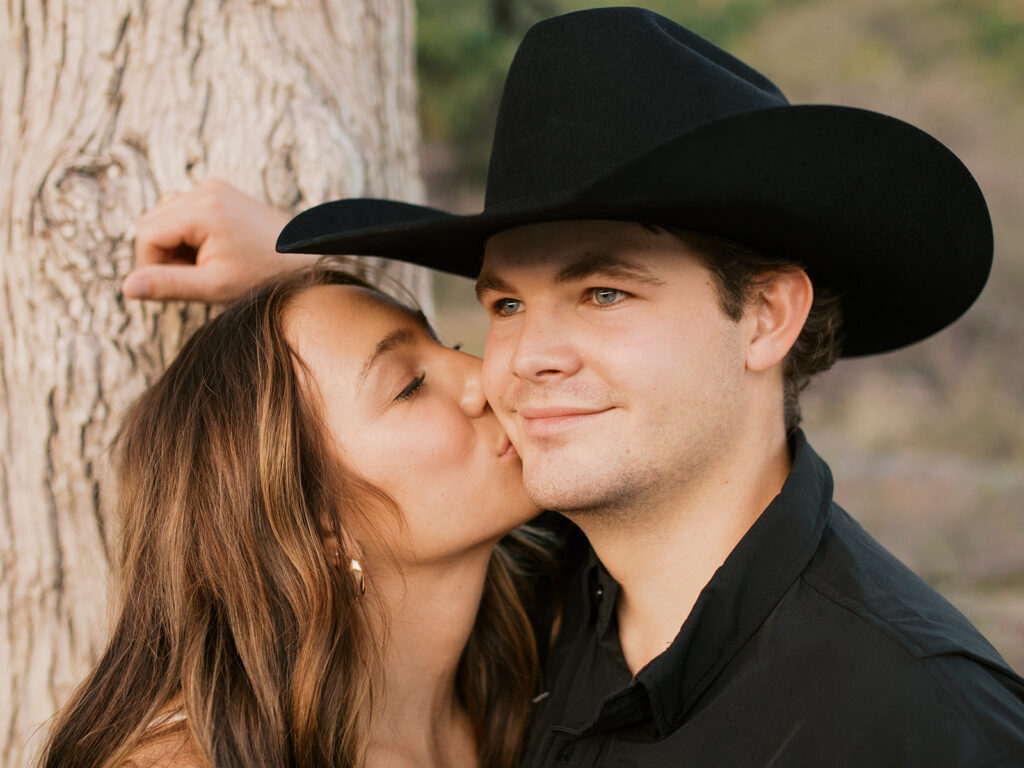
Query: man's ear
778, 313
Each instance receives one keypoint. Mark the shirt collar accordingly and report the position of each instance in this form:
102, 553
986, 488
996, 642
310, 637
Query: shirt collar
743, 591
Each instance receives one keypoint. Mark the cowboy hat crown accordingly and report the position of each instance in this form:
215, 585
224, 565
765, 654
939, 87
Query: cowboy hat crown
591, 90
623, 114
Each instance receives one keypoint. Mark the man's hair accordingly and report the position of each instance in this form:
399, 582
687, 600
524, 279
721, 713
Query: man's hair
738, 272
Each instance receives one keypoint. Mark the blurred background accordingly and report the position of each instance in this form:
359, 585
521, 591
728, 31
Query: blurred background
927, 443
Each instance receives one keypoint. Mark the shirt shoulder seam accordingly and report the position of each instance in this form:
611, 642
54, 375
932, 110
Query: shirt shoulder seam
905, 645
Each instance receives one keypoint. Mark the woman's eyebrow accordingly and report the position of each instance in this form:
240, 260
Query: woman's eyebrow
396, 338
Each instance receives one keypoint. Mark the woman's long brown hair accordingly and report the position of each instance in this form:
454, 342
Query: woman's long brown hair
231, 610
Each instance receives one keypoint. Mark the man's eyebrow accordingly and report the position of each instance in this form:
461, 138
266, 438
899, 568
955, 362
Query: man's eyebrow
609, 265
587, 266
490, 282
396, 338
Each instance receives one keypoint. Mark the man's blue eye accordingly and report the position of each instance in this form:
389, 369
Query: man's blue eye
606, 296
507, 306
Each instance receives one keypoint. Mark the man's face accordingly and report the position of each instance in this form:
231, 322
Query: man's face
609, 363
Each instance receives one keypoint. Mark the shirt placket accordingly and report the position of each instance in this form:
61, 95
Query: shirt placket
582, 746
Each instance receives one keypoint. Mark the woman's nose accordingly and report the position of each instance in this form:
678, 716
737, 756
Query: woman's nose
472, 398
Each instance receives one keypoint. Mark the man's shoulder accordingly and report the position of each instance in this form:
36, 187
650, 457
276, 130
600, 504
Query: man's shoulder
856, 573
888, 638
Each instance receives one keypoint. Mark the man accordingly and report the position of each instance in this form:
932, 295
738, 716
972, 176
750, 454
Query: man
668, 252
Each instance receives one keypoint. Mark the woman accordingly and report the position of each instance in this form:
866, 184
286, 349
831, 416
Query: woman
311, 496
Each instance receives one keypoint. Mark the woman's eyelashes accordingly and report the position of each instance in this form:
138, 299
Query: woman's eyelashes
411, 388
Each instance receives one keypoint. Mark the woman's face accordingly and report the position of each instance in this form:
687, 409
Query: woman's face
408, 415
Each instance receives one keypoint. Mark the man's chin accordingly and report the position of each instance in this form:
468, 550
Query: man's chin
573, 484
565, 493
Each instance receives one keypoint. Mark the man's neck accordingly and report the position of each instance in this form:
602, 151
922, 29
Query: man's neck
432, 612
664, 555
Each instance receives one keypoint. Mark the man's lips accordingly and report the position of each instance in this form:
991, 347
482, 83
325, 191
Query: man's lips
544, 420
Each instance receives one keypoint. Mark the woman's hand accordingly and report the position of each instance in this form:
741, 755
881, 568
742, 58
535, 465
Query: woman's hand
210, 244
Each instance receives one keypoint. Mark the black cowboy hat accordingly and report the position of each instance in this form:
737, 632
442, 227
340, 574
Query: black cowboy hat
622, 114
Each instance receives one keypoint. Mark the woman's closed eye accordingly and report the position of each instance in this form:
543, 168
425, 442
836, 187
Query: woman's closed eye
411, 388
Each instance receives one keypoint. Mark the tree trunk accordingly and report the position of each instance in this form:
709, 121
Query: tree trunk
104, 106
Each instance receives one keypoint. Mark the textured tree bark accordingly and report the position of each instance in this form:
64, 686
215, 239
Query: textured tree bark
104, 106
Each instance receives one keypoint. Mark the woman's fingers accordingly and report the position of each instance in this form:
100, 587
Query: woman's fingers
209, 244
211, 283
170, 229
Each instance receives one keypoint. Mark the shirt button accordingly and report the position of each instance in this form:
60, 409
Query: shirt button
599, 593
565, 754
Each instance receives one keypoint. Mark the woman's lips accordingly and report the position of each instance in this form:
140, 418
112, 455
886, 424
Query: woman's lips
543, 421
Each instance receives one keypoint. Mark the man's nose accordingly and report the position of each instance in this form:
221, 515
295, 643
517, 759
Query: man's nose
543, 348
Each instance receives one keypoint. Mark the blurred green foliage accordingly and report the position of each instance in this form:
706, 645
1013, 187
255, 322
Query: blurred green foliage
463, 50
996, 27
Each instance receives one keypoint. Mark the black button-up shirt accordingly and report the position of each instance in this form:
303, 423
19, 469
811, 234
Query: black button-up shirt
811, 646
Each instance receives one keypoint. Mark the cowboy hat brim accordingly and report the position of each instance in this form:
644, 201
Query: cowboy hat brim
870, 206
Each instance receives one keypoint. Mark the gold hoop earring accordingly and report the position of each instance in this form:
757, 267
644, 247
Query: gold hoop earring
357, 569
